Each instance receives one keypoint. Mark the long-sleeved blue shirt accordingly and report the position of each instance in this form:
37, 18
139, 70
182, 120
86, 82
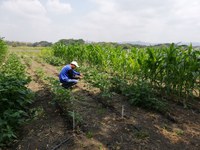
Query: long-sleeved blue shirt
67, 73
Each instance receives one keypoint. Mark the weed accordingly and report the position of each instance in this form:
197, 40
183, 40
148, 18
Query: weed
40, 72
37, 112
179, 132
142, 135
77, 117
89, 134
100, 147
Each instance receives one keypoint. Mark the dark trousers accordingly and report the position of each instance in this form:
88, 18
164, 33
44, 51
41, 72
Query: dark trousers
70, 83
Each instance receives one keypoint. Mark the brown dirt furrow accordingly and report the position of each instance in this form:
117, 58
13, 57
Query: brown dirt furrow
139, 129
102, 125
48, 128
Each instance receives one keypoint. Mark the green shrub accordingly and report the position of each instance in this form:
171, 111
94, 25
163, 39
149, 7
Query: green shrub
143, 95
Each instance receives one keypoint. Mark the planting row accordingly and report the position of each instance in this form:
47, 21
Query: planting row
164, 72
3, 50
14, 98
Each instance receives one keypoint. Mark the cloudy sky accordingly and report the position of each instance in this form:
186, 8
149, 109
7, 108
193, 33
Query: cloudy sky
100, 20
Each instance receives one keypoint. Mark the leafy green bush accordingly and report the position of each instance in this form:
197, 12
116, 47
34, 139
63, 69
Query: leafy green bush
143, 95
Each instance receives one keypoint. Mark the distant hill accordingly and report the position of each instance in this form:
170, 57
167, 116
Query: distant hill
138, 43
194, 44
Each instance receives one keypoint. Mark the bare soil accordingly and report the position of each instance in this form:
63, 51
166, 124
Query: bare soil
103, 127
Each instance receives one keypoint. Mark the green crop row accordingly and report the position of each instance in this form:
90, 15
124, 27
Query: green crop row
14, 98
172, 70
3, 50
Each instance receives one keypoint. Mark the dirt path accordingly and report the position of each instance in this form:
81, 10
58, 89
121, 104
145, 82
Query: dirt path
139, 129
102, 125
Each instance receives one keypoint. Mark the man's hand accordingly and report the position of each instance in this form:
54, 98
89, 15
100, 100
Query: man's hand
81, 76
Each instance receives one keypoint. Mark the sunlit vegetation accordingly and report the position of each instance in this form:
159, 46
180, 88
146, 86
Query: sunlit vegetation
14, 96
3, 50
148, 76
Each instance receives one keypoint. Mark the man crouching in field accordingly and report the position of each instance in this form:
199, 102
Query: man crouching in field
68, 76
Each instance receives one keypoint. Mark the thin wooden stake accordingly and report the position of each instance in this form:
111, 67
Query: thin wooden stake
122, 111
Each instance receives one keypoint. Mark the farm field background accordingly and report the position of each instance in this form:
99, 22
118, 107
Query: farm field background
129, 98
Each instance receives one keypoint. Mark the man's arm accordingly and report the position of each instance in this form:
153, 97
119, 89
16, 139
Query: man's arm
76, 73
73, 74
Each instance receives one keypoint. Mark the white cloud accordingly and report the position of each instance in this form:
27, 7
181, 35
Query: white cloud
31, 9
23, 19
154, 20
58, 7
101, 20
188, 10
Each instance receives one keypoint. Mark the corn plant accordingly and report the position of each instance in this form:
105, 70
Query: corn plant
173, 69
